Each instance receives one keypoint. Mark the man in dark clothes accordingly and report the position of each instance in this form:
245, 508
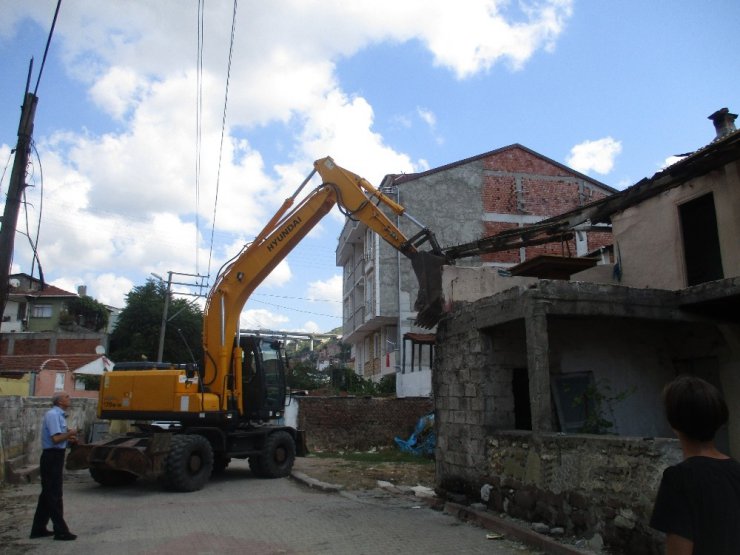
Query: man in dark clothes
54, 439
698, 502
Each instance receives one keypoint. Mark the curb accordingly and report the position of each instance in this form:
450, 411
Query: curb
314, 483
462, 512
510, 529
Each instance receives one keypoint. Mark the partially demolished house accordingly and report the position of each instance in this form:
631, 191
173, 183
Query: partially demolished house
547, 391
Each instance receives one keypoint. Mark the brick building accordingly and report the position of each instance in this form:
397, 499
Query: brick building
507, 188
45, 362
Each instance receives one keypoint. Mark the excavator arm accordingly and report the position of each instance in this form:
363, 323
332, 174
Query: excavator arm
239, 278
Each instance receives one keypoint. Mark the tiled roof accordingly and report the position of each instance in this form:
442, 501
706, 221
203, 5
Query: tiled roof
714, 155
34, 289
402, 178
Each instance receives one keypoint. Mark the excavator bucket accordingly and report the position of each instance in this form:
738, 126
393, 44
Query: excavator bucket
428, 269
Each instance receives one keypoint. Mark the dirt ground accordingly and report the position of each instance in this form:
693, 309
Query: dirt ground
358, 475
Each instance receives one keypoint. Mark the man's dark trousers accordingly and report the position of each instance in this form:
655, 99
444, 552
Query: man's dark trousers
50, 505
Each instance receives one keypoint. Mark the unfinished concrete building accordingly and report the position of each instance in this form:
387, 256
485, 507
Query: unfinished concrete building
547, 391
464, 201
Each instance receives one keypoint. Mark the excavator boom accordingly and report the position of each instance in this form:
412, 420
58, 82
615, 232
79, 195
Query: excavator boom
286, 229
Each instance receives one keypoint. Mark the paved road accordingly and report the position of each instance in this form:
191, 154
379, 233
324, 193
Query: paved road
240, 514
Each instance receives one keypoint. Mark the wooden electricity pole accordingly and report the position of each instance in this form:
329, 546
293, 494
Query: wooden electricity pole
15, 191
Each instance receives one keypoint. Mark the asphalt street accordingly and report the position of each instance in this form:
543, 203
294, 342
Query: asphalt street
238, 513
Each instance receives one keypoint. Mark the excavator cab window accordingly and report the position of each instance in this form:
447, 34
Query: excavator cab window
263, 378
274, 376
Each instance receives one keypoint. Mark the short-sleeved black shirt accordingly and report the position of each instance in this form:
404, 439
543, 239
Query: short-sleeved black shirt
699, 499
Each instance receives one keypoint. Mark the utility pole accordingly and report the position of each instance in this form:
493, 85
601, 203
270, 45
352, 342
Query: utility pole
162, 329
165, 311
15, 190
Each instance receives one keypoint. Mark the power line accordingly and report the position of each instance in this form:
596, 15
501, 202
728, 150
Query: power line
198, 125
296, 310
48, 43
295, 298
223, 128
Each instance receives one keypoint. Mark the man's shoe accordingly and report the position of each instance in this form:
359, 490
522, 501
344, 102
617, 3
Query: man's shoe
69, 536
42, 534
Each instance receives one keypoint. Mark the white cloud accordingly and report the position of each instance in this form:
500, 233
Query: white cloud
122, 203
670, 161
328, 290
430, 119
597, 156
118, 91
263, 319
309, 326
110, 289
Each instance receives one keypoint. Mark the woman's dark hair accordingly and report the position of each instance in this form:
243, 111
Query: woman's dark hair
694, 407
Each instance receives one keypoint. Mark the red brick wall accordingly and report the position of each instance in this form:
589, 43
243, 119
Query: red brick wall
548, 198
539, 195
598, 239
75, 346
518, 160
499, 194
29, 346
358, 424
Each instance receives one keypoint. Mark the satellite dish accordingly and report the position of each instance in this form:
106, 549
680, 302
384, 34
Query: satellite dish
14, 282
99, 350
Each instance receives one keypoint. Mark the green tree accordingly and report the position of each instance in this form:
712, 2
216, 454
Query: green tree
85, 312
304, 375
345, 379
137, 330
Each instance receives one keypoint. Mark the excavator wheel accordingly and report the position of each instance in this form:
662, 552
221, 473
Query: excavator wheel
278, 456
189, 463
112, 478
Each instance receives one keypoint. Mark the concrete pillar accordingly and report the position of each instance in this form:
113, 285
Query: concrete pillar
538, 368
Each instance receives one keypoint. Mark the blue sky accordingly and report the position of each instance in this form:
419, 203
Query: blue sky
613, 89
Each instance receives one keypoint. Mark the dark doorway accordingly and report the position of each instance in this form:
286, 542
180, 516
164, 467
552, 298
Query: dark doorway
700, 240
522, 408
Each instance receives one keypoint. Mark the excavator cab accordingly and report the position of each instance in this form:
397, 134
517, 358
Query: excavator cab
263, 378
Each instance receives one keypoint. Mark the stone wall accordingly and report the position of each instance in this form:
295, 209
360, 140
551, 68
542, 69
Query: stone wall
586, 485
20, 428
358, 424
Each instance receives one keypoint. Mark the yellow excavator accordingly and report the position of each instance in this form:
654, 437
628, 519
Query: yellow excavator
227, 406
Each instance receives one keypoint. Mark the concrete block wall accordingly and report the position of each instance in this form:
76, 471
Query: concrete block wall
20, 428
359, 423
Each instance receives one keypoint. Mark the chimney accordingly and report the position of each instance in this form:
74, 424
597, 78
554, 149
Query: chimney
82, 290
724, 122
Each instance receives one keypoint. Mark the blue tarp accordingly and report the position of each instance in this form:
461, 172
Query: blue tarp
423, 440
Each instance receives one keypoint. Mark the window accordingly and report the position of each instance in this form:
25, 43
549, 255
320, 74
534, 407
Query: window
701, 240
59, 381
369, 244
574, 404
41, 311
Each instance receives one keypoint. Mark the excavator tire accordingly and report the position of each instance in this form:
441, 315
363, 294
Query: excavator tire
278, 455
112, 478
189, 463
